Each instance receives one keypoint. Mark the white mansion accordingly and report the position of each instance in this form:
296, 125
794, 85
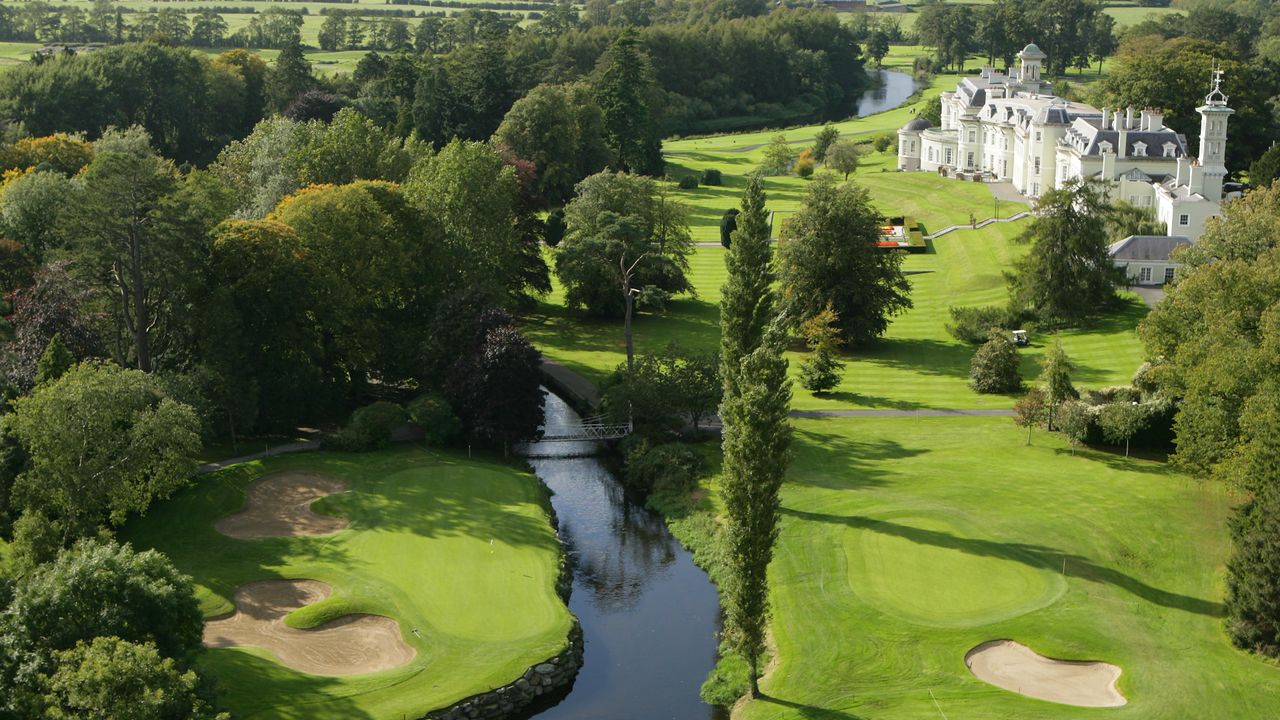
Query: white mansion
1012, 128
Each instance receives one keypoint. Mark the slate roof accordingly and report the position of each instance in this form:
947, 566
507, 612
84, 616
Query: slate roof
917, 125
1086, 133
1151, 248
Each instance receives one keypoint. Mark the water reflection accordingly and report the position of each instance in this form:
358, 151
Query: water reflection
649, 615
892, 90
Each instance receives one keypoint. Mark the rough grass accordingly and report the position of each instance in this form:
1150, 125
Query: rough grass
460, 550
906, 542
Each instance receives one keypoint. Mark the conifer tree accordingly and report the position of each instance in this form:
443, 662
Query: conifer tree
55, 361
1056, 376
821, 372
757, 400
625, 82
1253, 573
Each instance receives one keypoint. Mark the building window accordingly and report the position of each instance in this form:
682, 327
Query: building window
1168, 149
1184, 219
970, 159
1139, 149
1035, 189
949, 156
1168, 275
972, 136
1037, 166
1146, 201
1144, 275
930, 154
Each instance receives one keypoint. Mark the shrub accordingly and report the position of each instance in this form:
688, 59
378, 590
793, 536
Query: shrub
728, 681
728, 223
711, 176
688, 182
973, 325
435, 416
994, 368
804, 164
1074, 419
884, 141
369, 428
669, 468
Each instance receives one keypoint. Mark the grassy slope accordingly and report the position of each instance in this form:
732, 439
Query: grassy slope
459, 549
906, 542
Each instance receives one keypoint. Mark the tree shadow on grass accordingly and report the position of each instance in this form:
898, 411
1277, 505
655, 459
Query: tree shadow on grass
808, 711
1114, 458
256, 684
695, 323
930, 357
846, 464
1037, 556
874, 401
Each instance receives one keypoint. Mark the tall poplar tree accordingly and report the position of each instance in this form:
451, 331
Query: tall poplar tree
757, 436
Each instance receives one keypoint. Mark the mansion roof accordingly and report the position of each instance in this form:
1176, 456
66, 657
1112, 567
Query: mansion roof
1150, 248
1087, 136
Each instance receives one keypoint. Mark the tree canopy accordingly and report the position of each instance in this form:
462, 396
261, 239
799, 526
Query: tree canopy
828, 257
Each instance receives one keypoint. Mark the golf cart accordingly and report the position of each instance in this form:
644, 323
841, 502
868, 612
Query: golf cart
1020, 338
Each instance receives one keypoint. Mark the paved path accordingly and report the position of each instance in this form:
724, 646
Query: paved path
572, 381
1006, 192
1149, 295
979, 225
304, 446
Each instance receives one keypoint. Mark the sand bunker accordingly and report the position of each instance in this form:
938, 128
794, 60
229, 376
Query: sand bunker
350, 645
280, 505
1016, 667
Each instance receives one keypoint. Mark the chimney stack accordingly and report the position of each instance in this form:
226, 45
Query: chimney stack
1106, 117
1128, 118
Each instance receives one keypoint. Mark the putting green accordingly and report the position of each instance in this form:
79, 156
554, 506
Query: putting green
895, 567
460, 553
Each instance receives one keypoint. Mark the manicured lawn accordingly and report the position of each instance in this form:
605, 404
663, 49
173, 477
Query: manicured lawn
906, 542
15, 53
917, 364
461, 550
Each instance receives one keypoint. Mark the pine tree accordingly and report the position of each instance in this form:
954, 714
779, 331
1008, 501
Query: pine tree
55, 361
625, 80
291, 76
757, 400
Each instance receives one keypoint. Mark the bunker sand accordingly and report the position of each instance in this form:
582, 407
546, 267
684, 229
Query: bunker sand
279, 505
1013, 666
349, 645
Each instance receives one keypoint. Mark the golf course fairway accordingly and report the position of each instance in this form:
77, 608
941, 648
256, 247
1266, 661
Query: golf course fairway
460, 553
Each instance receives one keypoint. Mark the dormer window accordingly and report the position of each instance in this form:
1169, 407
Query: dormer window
1139, 149
1104, 146
1169, 149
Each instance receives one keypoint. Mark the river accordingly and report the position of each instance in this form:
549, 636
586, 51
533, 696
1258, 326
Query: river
649, 615
892, 88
